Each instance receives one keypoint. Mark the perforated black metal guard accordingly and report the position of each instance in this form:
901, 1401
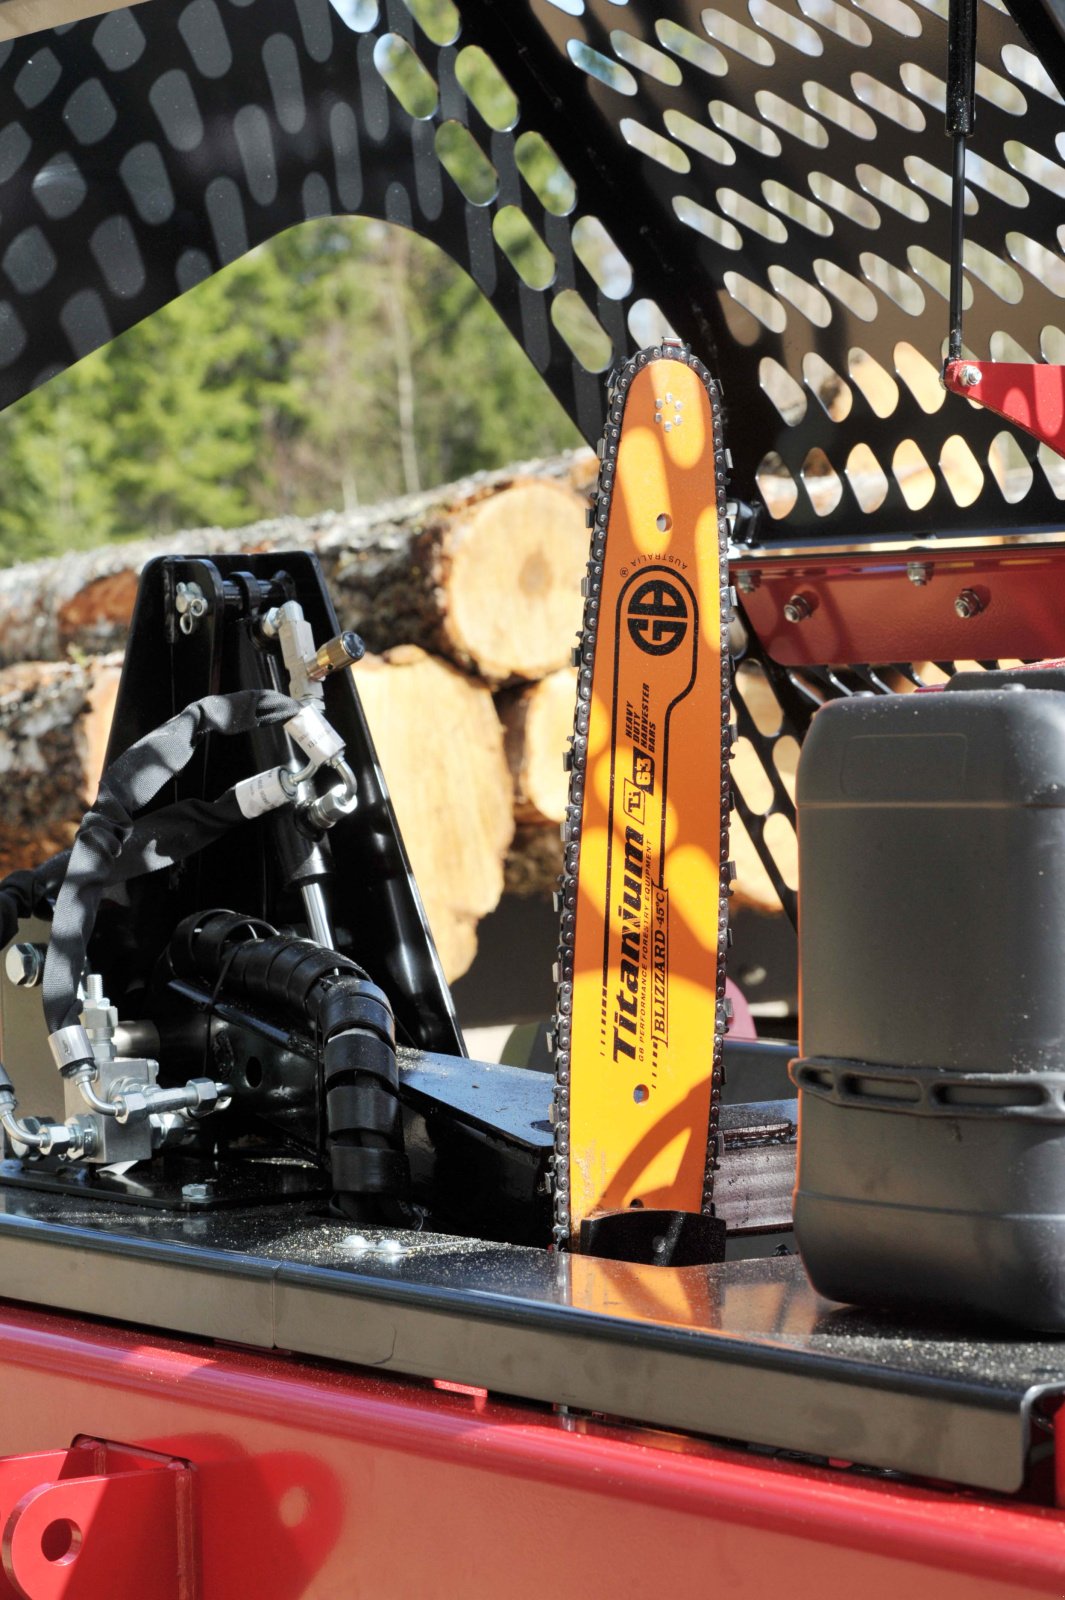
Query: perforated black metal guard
769, 177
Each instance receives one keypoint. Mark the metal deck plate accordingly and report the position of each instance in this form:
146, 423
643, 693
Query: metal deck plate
744, 1351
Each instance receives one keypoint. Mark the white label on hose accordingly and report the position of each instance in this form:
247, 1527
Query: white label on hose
264, 792
318, 741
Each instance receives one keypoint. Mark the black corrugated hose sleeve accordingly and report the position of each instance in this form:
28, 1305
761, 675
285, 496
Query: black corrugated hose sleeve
353, 1019
129, 784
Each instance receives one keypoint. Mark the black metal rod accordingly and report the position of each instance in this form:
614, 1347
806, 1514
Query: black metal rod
961, 114
957, 248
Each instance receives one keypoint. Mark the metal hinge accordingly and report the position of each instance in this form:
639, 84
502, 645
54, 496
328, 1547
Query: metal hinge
68, 1515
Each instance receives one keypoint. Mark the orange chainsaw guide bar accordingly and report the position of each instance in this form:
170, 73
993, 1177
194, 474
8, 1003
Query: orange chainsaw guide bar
641, 994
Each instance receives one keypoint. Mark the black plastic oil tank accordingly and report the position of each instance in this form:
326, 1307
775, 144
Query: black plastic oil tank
932, 999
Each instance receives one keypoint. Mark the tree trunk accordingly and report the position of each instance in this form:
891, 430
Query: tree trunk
478, 799
441, 750
54, 721
436, 730
537, 724
493, 585
485, 571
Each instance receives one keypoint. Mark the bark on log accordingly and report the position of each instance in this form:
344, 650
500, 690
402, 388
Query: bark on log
441, 748
54, 722
485, 570
534, 860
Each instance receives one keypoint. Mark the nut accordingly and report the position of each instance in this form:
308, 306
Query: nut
130, 1105
797, 609
969, 604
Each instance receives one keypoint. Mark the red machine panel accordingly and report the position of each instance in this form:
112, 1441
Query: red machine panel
958, 604
319, 1482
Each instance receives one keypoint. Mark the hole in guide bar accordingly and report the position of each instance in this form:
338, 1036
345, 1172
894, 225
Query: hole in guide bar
641, 1093
663, 522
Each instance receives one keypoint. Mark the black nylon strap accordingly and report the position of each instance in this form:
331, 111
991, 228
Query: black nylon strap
174, 833
129, 784
25, 894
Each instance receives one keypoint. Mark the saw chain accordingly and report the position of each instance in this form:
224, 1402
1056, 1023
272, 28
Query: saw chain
641, 1011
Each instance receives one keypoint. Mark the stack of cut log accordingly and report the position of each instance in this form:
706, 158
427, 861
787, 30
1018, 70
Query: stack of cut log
468, 598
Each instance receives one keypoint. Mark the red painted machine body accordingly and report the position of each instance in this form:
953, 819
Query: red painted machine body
318, 1482
923, 604
1028, 393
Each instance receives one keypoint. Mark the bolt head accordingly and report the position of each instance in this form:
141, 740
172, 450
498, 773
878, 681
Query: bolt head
797, 609
919, 573
969, 376
968, 604
24, 964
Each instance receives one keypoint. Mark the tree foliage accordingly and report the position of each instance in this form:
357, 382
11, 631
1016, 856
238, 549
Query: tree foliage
344, 362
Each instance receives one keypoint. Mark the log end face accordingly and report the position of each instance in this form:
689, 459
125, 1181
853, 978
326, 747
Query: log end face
513, 585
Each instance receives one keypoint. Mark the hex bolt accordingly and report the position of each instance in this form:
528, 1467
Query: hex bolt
797, 609
919, 573
968, 376
968, 604
24, 964
190, 603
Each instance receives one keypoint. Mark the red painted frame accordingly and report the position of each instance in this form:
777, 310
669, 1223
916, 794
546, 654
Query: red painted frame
901, 606
321, 1482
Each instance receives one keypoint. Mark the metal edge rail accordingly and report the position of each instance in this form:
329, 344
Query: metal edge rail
735, 1386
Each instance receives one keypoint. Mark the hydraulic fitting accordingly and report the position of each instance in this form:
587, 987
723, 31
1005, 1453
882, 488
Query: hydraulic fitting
343, 651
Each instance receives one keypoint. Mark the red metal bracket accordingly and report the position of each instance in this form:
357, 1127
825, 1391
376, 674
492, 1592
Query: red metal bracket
99, 1521
923, 604
1029, 394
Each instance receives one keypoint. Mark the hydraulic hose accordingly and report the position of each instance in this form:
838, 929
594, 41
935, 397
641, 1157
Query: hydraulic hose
130, 783
353, 1019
